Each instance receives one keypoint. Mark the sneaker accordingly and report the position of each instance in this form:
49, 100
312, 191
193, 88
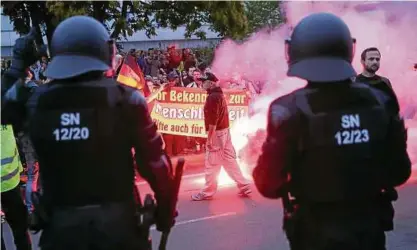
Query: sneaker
245, 191
200, 197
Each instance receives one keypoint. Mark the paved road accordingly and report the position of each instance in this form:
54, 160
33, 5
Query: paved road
229, 222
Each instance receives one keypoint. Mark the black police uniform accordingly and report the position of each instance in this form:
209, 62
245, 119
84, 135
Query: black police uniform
83, 127
332, 145
383, 84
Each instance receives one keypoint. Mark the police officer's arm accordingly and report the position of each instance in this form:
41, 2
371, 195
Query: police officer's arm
395, 105
399, 164
387, 82
12, 82
12, 105
271, 172
153, 163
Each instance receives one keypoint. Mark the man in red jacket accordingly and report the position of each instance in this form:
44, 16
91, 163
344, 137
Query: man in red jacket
220, 151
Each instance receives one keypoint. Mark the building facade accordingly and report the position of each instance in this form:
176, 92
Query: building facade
138, 40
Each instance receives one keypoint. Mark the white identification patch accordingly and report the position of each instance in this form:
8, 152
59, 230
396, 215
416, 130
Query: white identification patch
72, 130
352, 132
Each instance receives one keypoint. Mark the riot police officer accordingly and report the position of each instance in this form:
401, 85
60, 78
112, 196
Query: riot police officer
332, 147
83, 127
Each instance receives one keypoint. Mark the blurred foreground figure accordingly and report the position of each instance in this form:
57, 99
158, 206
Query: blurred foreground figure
332, 148
16, 215
83, 127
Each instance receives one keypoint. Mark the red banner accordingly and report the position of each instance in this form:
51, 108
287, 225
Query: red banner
180, 111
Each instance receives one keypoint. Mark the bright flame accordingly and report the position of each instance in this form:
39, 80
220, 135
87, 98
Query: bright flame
224, 179
412, 141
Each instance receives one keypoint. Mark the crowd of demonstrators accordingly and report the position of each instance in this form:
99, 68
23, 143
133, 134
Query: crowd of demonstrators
173, 67
35, 72
180, 68
175, 144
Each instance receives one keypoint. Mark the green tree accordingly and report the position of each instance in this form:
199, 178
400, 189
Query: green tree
24, 14
263, 14
123, 18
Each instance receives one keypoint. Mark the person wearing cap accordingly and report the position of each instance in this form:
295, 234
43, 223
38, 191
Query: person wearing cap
331, 147
174, 144
219, 148
83, 127
173, 79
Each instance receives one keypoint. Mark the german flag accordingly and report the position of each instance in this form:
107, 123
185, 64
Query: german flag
131, 75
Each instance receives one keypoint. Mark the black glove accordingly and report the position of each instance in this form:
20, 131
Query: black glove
164, 221
386, 209
24, 54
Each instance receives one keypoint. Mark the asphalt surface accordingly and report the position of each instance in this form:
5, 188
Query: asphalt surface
229, 222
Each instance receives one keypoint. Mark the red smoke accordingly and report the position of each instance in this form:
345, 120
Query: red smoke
389, 26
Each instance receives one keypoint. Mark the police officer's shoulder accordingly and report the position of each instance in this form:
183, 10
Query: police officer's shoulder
36, 93
132, 95
381, 96
129, 94
283, 108
386, 81
31, 84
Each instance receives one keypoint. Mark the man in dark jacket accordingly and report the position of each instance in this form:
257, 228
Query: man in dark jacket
371, 59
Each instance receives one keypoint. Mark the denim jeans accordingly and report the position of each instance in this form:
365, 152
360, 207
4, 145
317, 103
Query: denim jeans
32, 183
32, 165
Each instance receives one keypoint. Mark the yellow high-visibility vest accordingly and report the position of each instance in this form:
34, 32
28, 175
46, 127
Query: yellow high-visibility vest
10, 160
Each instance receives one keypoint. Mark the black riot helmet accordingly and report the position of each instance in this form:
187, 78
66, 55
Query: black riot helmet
80, 44
321, 49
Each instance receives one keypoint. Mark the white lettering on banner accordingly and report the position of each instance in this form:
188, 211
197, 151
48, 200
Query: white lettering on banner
236, 114
352, 133
193, 113
73, 133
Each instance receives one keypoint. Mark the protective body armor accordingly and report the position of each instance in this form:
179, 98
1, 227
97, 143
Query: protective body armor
342, 148
84, 151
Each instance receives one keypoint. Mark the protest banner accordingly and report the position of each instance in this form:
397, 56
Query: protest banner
180, 111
